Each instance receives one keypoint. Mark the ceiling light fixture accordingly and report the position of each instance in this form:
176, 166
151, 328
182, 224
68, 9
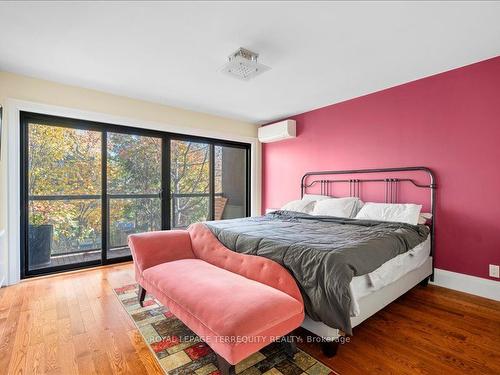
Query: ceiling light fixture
243, 65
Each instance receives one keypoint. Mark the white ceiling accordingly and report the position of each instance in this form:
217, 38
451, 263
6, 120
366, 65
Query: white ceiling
320, 53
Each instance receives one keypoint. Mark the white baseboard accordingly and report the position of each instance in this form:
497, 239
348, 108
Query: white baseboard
469, 284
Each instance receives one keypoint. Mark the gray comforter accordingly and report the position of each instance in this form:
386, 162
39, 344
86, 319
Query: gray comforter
323, 253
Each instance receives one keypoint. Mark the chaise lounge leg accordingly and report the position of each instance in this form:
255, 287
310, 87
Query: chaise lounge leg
329, 348
290, 346
225, 367
141, 295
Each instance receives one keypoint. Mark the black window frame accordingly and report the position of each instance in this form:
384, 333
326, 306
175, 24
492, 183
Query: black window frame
105, 128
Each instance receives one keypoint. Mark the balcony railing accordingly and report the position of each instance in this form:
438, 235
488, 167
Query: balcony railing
116, 196
113, 196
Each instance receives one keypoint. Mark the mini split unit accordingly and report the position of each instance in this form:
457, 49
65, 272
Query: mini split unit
278, 131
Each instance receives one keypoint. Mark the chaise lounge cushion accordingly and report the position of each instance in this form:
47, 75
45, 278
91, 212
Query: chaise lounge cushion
238, 317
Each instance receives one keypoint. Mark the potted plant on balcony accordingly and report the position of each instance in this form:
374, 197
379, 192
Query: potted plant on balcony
40, 242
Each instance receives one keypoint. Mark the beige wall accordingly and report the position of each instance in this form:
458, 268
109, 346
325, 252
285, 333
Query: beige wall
36, 90
14, 86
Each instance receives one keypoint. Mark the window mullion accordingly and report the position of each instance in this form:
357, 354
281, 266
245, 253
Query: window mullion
104, 197
211, 186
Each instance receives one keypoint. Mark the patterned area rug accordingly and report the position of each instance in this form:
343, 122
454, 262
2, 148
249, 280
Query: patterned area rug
180, 351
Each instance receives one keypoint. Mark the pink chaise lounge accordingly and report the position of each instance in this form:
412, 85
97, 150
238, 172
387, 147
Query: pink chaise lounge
236, 303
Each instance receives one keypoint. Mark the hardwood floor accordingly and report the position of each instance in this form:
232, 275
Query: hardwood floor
73, 324
429, 330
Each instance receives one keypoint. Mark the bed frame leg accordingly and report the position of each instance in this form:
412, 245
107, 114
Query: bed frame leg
141, 296
225, 367
290, 347
329, 348
425, 281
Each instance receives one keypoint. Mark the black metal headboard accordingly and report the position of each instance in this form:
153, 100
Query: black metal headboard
391, 187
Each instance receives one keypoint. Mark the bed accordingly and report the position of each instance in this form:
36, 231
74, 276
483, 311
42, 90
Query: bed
392, 272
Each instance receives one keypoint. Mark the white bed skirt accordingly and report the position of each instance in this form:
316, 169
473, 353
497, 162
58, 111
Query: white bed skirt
374, 302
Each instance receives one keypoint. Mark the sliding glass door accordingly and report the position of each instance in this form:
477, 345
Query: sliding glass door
64, 211
134, 186
86, 186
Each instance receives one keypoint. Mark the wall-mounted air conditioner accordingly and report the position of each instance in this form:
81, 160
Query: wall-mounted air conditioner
277, 131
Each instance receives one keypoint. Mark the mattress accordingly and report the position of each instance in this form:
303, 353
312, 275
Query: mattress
388, 273
323, 253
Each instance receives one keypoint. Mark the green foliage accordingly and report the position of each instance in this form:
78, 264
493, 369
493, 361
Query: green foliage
65, 161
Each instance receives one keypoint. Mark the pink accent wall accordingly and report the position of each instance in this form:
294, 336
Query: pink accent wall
449, 122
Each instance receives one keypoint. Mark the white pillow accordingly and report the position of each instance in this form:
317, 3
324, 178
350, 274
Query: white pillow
339, 207
359, 205
314, 197
423, 217
402, 213
299, 206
